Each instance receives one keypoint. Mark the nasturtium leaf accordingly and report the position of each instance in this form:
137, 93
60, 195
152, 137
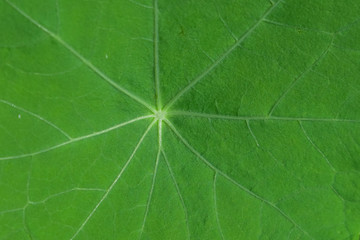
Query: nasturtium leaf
191, 119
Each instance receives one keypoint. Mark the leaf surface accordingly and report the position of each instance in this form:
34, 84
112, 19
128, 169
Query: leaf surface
138, 119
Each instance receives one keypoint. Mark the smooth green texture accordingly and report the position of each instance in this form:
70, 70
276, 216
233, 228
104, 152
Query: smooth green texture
192, 119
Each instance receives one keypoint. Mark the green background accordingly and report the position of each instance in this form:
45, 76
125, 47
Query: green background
192, 119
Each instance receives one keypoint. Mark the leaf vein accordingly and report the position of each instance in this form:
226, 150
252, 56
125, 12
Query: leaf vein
75, 139
114, 182
37, 116
178, 192
81, 58
216, 208
222, 57
301, 76
246, 190
258, 118
316, 147
156, 55
151, 192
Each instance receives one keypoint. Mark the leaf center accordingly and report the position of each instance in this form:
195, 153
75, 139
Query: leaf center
160, 115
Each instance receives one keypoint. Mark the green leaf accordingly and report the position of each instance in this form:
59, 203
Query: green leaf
139, 119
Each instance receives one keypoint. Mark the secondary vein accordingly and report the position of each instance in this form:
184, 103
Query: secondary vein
36, 116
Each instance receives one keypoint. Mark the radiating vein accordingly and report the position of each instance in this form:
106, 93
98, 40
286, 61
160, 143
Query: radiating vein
316, 147
178, 192
156, 55
151, 192
160, 125
246, 190
259, 118
216, 208
37, 116
115, 181
303, 74
222, 57
75, 139
154, 176
82, 58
